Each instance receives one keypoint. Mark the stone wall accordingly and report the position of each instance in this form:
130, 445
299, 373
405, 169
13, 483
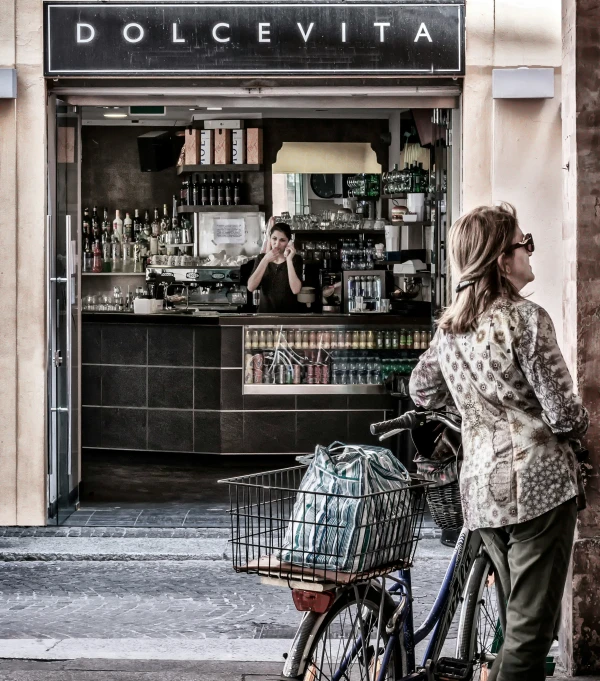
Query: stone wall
581, 286
22, 239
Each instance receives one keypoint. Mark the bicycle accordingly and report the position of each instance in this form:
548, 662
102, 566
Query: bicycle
359, 625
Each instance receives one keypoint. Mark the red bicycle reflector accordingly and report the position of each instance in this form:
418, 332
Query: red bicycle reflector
312, 600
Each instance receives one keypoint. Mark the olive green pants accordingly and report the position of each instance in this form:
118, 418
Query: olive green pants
532, 559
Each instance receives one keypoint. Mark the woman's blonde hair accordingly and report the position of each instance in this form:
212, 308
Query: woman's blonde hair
476, 241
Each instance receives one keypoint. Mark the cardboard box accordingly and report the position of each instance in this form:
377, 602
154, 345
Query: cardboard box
192, 147
222, 146
206, 148
238, 146
254, 145
228, 124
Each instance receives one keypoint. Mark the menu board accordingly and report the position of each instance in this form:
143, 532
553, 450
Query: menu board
229, 231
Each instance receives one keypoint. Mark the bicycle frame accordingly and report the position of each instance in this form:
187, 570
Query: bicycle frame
438, 620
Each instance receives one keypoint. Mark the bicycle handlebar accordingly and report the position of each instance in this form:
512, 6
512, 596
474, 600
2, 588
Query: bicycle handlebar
410, 421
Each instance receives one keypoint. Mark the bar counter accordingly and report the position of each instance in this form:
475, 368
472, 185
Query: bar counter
174, 382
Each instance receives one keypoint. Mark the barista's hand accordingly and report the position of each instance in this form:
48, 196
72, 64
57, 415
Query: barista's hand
272, 255
290, 251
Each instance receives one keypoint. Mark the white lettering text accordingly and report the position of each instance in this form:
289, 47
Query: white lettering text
127, 36
216, 27
263, 32
382, 26
305, 35
90, 37
175, 38
423, 33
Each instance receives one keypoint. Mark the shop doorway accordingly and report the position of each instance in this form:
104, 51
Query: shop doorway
106, 469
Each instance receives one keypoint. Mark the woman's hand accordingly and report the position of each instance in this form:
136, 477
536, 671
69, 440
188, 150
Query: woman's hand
271, 255
290, 251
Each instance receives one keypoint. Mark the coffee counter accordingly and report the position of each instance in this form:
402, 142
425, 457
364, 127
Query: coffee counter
176, 382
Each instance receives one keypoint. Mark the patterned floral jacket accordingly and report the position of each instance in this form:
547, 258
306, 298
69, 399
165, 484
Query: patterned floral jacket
509, 381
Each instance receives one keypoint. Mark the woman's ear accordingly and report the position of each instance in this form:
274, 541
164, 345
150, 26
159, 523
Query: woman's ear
503, 265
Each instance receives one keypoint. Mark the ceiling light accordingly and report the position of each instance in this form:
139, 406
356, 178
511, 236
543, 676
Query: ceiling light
192, 108
214, 108
115, 115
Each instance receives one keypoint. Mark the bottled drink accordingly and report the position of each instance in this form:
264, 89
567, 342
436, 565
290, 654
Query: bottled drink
204, 192
351, 293
165, 224
127, 227
95, 224
195, 191
118, 226
388, 340
86, 226
105, 226
97, 261
362, 340
370, 340
212, 192
106, 252
88, 259
115, 253
417, 341
409, 339
380, 342
237, 191
220, 191
395, 340
228, 191
137, 224
147, 227
174, 215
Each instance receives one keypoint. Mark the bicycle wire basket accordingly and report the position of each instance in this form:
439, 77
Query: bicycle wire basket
445, 506
263, 509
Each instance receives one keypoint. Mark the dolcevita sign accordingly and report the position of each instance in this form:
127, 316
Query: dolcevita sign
253, 38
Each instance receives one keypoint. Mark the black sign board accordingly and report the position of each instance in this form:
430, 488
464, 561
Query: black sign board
251, 38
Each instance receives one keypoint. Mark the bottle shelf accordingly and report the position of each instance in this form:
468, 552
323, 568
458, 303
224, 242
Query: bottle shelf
224, 168
113, 274
397, 195
339, 232
316, 389
218, 209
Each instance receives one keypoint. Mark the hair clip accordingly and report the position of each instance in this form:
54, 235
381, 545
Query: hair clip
464, 284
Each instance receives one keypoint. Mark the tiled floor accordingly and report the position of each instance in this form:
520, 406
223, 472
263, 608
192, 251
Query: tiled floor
166, 515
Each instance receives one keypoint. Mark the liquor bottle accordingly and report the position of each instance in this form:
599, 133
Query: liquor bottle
127, 228
195, 191
86, 226
183, 192
115, 252
175, 216
137, 224
212, 191
106, 226
88, 258
155, 227
106, 253
221, 192
204, 192
97, 261
146, 227
237, 191
228, 191
95, 224
165, 223
118, 226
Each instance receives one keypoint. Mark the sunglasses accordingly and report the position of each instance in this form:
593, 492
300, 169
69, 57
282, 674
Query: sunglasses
527, 244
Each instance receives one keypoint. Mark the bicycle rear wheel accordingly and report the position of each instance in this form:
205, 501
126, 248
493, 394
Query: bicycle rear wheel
343, 642
482, 618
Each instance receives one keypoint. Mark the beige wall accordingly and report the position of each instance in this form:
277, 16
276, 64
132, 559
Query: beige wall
512, 148
22, 239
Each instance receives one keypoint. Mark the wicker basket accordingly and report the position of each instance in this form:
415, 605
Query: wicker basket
444, 504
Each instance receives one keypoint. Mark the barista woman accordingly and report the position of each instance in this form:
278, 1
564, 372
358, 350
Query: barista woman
278, 273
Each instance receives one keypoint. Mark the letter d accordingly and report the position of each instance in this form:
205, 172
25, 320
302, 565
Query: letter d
90, 37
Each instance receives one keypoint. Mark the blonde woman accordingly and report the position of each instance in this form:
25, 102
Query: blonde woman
495, 356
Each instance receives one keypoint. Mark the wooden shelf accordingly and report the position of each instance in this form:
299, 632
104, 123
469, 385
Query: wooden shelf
217, 209
225, 168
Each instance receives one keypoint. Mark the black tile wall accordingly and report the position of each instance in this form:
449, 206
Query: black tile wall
320, 428
124, 386
359, 423
171, 431
171, 388
91, 343
207, 431
91, 384
207, 347
124, 344
270, 402
322, 401
123, 428
232, 431
372, 402
207, 389
91, 426
231, 346
231, 389
269, 432
171, 345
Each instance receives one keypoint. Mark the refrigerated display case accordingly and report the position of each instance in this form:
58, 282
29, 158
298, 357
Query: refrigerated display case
337, 359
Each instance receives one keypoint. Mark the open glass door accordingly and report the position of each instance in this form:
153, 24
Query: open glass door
64, 164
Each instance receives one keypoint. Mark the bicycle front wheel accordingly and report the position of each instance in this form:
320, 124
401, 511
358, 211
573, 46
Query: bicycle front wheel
482, 618
344, 645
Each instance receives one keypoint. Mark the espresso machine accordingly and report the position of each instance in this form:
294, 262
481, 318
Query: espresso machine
200, 288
